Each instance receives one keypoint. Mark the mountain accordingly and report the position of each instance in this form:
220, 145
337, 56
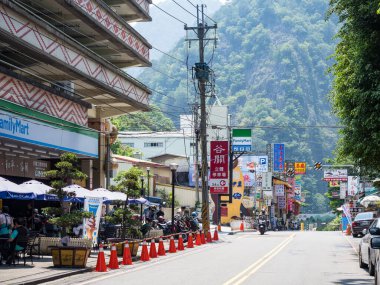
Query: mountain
270, 67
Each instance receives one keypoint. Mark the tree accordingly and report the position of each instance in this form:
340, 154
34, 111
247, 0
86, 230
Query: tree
356, 86
67, 170
118, 148
127, 183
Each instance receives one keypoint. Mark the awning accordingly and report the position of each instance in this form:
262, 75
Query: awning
277, 181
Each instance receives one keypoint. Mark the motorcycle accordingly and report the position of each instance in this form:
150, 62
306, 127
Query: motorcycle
262, 225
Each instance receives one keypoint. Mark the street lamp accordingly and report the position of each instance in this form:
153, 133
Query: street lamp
147, 172
142, 194
173, 168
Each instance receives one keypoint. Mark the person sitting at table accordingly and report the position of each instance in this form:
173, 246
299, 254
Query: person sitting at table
17, 239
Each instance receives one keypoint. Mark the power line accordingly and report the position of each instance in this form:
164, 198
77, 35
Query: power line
183, 8
197, 9
167, 13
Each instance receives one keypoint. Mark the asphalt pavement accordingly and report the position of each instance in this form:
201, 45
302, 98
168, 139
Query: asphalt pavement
288, 258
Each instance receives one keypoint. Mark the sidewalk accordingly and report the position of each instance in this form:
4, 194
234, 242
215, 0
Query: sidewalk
43, 271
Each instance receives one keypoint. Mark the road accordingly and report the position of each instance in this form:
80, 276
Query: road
287, 258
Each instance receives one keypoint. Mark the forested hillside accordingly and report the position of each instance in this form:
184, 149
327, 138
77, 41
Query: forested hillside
271, 70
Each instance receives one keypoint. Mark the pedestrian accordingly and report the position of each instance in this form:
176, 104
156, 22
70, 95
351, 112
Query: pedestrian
160, 213
6, 222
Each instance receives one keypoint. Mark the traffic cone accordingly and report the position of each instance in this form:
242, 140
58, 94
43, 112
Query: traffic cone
209, 239
101, 262
203, 241
242, 226
153, 251
190, 243
219, 228
161, 248
198, 239
144, 253
114, 263
172, 248
127, 259
180, 243
216, 236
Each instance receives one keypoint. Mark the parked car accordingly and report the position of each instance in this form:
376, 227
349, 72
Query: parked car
362, 221
375, 244
367, 254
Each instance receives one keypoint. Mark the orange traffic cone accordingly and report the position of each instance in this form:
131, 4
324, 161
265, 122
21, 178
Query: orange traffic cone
203, 241
190, 243
144, 252
216, 236
172, 248
101, 262
180, 243
153, 251
198, 239
209, 239
161, 248
242, 226
114, 263
127, 259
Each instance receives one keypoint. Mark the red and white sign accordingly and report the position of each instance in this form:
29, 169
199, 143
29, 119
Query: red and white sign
219, 167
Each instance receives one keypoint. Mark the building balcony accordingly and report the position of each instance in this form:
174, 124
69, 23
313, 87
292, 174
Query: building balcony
131, 10
31, 46
95, 25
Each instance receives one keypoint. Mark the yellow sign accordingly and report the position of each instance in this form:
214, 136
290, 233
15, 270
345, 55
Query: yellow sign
233, 209
299, 167
334, 184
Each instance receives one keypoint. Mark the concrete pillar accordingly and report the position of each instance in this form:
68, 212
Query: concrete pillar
99, 175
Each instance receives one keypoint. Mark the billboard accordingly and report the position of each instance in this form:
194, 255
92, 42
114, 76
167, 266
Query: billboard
219, 167
252, 167
279, 190
267, 181
279, 157
335, 175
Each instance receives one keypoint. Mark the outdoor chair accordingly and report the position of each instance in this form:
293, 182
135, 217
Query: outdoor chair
36, 245
27, 243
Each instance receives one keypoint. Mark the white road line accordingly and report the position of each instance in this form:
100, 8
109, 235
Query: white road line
242, 276
353, 247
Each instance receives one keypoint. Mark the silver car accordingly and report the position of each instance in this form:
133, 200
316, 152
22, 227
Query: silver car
368, 254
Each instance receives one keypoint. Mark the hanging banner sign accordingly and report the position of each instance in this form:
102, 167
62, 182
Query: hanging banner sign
281, 202
267, 181
241, 140
300, 167
91, 225
219, 167
343, 190
279, 157
279, 190
335, 175
352, 185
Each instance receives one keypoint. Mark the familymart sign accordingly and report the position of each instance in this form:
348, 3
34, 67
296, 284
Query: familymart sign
47, 131
241, 140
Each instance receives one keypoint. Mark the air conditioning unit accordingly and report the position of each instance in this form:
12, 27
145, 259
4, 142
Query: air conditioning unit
66, 87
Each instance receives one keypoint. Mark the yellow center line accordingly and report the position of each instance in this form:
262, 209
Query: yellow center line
352, 245
242, 276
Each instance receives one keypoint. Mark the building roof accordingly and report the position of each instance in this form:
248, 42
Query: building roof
168, 155
139, 162
149, 134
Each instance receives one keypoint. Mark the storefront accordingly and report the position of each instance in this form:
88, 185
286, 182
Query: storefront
30, 141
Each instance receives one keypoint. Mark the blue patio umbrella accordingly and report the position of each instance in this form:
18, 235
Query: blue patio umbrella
10, 190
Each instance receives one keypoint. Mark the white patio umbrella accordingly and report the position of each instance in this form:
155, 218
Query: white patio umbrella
10, 190
369, 199
79, 191
108, 195
36, 187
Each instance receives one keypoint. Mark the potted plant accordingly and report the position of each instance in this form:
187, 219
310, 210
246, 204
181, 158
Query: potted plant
126, 215
66, 172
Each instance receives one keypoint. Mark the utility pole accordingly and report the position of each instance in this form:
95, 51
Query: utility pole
202, 73
196, 132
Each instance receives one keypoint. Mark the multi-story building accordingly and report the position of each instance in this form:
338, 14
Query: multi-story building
61, 78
